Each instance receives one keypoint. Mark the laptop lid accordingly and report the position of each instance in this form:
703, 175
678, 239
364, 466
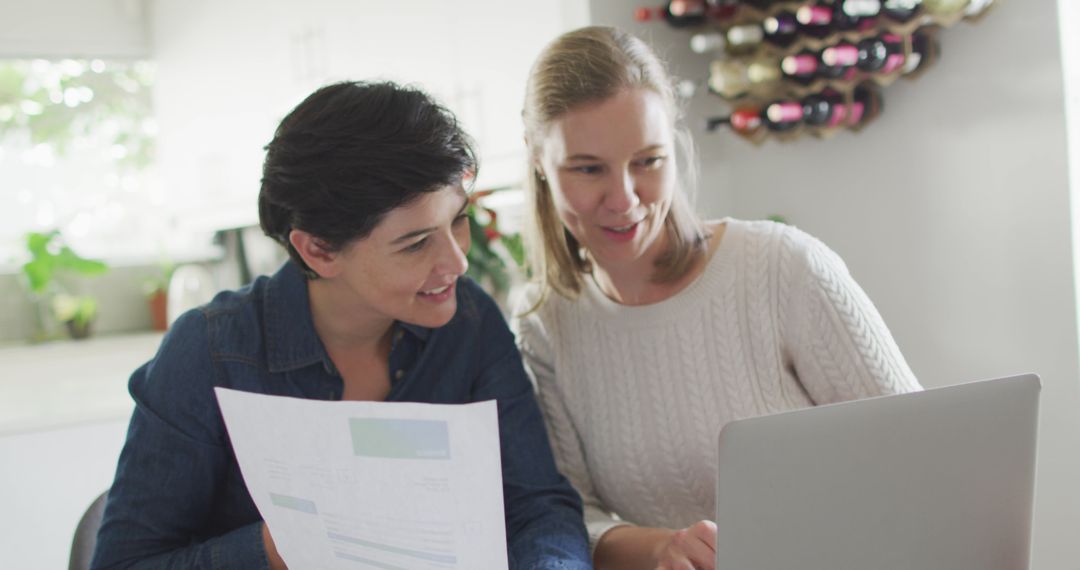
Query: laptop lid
939, 479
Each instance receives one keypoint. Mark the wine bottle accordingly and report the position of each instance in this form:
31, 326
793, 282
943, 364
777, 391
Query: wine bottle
733, 78
745, 121
945, 8
781, 29
825, 109
858, 8
738, 39
865, 105
840, 15
901, 10
924, 49
883, 54
688, 13
705, 42
841, 56
830, 69
800, 67
677, 13
728, 79
782, 116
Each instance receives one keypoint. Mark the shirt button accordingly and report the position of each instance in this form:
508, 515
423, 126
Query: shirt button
399, 374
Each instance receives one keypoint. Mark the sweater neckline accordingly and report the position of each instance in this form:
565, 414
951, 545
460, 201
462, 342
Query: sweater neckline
688, 299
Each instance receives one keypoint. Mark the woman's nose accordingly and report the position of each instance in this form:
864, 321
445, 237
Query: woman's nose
622, 194
452, 258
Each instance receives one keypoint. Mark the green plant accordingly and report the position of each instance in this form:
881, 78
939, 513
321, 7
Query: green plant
487, 255
51, 258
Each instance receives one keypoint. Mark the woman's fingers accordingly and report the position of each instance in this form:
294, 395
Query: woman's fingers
692, 548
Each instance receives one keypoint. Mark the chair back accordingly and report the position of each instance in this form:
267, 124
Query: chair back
82, 545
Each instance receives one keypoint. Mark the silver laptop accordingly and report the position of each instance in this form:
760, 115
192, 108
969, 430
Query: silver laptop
935, 480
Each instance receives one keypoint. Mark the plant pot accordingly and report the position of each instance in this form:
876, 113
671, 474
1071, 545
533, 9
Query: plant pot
78, 331
158, 302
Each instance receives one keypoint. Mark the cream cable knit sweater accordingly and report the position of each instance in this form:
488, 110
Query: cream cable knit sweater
634, 397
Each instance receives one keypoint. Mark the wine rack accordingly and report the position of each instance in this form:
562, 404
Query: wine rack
790, 68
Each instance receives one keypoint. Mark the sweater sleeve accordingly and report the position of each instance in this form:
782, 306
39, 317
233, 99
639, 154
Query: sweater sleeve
538, 355
838, 343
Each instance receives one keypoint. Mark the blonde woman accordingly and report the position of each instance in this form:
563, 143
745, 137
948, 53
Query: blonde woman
647, 328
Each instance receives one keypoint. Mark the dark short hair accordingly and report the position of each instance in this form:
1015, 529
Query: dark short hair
350, 153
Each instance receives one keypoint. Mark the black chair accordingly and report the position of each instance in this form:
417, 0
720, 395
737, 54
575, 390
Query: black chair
82, 546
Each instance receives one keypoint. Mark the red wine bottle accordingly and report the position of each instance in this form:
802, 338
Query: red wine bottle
677, 13
782, 115
832, 69
688, 13
839, 15
745, 121
825, 109
800, 67
781, 29
884, 54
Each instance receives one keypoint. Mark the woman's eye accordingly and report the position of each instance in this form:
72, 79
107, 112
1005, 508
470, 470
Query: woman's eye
652, 161
416, 246
588, 169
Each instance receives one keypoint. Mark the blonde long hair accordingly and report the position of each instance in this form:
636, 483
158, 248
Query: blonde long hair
585, 66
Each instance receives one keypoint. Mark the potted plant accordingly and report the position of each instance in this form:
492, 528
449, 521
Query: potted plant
490, 247
157, 290
51, 258
77, 313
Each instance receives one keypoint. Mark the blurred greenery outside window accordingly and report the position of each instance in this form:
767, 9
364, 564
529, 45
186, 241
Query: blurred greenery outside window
76, 154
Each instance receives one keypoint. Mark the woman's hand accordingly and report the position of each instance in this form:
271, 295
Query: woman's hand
272, 556
692, 548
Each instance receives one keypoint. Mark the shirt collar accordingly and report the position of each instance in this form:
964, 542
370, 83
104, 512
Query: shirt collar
291, 340
421, 333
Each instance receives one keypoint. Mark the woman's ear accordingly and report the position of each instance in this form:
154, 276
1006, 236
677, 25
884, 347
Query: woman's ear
315, 253
535, 160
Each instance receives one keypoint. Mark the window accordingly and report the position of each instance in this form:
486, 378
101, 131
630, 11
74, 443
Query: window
77, 154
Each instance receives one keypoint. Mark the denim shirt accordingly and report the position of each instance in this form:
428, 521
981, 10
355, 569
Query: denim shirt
179, 500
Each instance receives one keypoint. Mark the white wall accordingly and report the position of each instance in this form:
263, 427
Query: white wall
228, 71
73, 28
952, 211
48, 480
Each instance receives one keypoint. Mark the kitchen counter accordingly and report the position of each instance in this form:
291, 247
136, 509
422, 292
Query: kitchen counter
64, 383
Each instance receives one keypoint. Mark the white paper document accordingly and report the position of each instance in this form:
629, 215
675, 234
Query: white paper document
386, 485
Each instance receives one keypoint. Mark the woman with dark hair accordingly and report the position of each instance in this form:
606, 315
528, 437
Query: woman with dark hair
363, 185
